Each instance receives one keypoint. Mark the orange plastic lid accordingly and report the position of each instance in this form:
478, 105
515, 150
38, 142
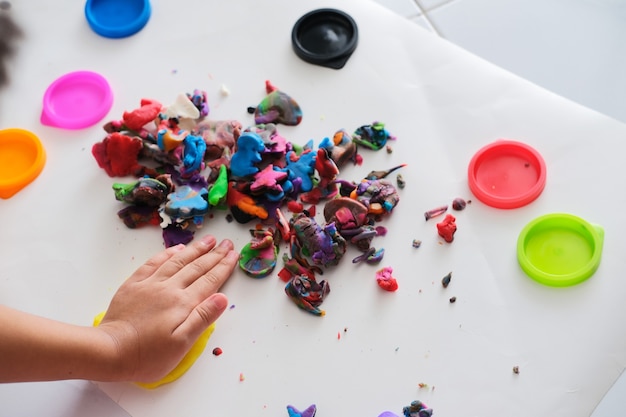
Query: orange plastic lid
507, 174
22, 158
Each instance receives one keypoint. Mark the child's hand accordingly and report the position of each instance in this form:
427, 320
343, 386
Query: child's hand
159, 312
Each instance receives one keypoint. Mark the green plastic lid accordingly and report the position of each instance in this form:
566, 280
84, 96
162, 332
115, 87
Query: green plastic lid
560, 249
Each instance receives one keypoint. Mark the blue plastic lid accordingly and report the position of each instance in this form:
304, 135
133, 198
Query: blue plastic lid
117, 18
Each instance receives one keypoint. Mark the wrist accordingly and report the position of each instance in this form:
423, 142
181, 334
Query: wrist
34, 348
120, 357
102, 357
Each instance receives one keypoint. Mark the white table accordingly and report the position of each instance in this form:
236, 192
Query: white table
65, 252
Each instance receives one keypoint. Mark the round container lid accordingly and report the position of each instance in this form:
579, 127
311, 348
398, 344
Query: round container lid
76, 100
560, 249
325, 37
117, 18
507, 174
22, 158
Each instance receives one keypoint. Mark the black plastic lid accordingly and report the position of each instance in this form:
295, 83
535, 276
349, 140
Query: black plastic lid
325, 37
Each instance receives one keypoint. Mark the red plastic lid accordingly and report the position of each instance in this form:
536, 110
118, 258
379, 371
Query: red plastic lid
507, 174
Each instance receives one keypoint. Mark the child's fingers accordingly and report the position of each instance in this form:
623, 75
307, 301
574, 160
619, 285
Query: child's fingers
203, 265
211, 281
189, 255
154, 263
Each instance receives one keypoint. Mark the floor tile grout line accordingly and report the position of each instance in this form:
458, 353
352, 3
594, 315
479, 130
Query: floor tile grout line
427, 10
429, 22
425, 13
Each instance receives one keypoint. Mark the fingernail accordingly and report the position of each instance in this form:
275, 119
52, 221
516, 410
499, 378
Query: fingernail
225, 243
178, 247
220, 302
208, 240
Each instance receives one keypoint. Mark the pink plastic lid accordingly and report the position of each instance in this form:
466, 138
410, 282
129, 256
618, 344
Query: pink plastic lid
76, 100
507, 174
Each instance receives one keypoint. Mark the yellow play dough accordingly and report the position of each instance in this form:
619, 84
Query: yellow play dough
182, 367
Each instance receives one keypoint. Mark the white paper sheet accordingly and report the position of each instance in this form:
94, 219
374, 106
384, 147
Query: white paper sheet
57, 399
64, 252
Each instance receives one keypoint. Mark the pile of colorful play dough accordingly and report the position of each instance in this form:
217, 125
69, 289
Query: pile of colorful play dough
187, 165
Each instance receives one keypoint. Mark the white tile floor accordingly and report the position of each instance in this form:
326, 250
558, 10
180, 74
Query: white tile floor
575, 48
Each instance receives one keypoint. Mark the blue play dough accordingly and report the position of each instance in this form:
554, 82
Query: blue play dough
117, 18
186, 203
303, 168
194, 148
249, 148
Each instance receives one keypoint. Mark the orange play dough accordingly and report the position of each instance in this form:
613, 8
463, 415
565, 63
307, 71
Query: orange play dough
182, 367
